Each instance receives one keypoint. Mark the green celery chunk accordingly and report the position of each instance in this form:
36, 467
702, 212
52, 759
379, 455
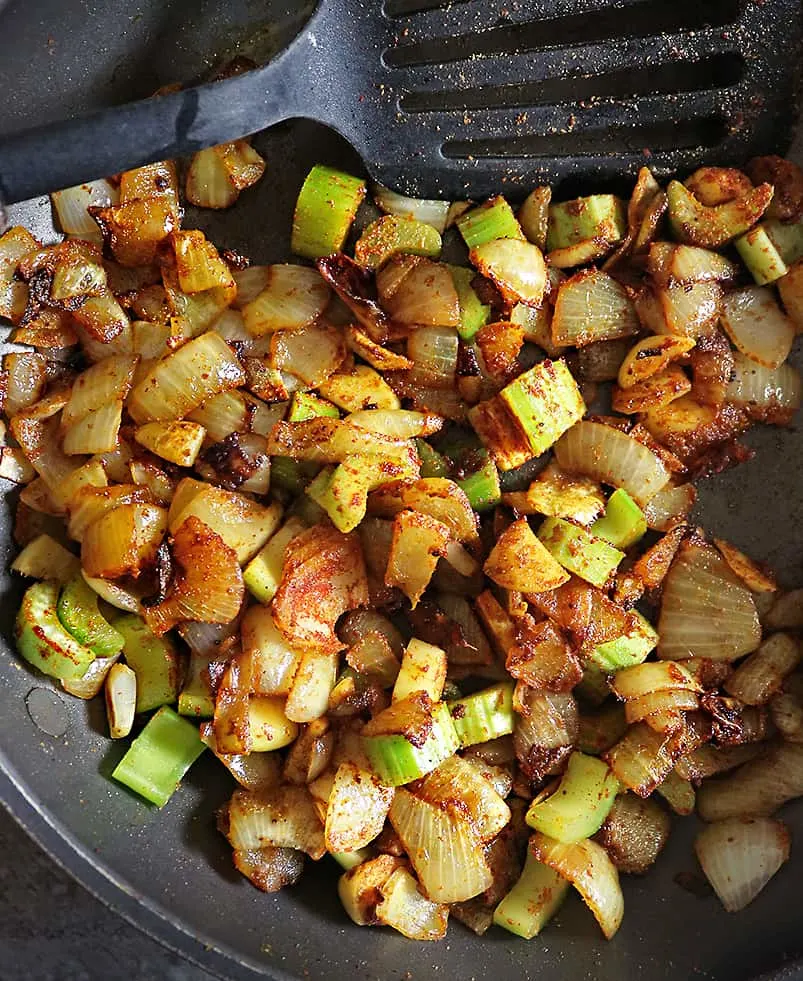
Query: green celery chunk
263, 573
397, 759
196, 698
770, 248
43, 641
305, 405
153, 660
474, 313
78, 612
580, 552
482, 486
533, 901
600, 216
484, 715
432, 463
579, 806
546, 402
343, 491
394, 234
628, 650
623, 523
761, 256
160, 756
593, 687
325, 210
488, 221
287, 475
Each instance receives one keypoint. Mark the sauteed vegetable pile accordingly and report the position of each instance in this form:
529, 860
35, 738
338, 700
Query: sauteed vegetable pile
408, 544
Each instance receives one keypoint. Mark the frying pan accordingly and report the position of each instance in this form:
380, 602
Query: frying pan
170, 872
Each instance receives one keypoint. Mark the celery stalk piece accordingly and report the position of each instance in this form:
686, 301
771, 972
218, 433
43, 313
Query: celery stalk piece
397, 760
153, 659
325, 210
482, 487
582, 801
579, 551
287, 474
485, 715
600, 216
78, 612
263, 573
394, 234
343, 491
628, 650
474, 313
593, 687
432, 463
533, 900
196, 698
546, 402
159, 757
761, 256
488, 221
42, 640
305, 405
623, 523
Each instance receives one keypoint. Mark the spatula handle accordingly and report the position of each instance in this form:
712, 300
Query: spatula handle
47, 158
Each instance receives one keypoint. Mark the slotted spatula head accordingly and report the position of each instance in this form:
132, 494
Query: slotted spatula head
468, 98
485, 95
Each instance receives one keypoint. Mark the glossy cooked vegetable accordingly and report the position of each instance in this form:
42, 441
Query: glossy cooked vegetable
360, 520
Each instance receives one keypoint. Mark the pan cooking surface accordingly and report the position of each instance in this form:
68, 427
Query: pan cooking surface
171, 871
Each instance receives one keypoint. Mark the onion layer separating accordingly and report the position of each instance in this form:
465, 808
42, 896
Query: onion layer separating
739, 857
705, 611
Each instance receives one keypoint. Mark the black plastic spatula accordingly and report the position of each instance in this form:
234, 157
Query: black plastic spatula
467, 98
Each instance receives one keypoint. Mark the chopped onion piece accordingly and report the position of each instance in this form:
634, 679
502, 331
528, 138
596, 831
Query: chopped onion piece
312, 354
293, 297
446, 855
705, 610
432, 212
592, 306
739, 857
210, 586
283, 817
323, 576
183, 380
589, 869
406, 910
767, 394
433, 351
755, 323
517, 269
72, 206
416, 291
671, 504
613, 457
